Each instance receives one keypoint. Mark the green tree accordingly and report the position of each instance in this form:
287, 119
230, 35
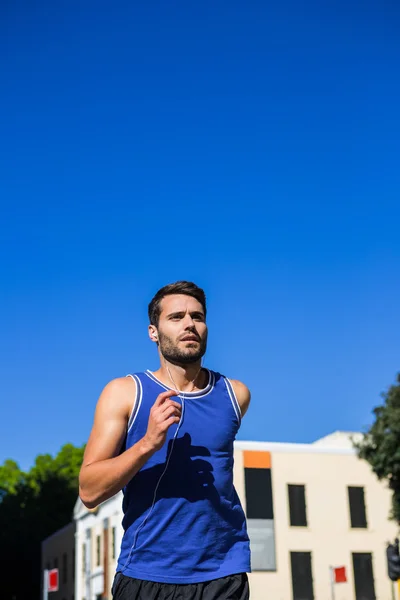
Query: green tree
10, 477
33, 506
380, 446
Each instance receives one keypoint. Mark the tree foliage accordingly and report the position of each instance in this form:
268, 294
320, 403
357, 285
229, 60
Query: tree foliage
380, 446
10, 477
33, 505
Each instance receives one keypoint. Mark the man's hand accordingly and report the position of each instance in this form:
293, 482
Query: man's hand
163, 414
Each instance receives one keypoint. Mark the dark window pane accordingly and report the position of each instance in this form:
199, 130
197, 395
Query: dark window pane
302, 583
363, 576
113, 553
65, 568
258, 493
98, 560
358, 517
297, 505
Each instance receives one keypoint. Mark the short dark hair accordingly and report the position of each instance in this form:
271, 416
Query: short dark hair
179, 287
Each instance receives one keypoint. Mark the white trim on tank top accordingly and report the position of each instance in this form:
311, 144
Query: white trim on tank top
137, 403
188, 395
234, 400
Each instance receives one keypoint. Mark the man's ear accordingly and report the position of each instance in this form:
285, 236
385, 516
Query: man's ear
153, 333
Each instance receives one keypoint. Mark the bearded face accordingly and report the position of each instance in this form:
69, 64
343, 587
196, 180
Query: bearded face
182, 331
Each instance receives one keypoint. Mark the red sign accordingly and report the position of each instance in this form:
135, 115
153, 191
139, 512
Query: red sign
339, 574
52, 585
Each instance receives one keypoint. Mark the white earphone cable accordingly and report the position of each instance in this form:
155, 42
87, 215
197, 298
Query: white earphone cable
182, 397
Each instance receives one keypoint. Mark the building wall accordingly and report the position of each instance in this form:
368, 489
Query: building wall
328, 535
58, 551
326, 472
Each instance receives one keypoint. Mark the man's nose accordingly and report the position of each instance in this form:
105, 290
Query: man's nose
189, 323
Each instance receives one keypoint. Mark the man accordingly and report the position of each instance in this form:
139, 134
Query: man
166, 440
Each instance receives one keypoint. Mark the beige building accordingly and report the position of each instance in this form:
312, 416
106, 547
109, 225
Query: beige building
328, 510
309, 507
58, 552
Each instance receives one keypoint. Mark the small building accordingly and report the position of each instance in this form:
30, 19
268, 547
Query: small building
58, 552
98, 540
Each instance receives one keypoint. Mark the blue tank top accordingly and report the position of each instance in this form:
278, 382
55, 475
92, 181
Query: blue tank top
183, 521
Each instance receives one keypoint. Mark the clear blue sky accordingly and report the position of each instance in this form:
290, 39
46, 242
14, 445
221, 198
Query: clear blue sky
253, 147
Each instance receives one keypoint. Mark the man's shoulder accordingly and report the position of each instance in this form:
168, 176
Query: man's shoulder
235, 383
242, 394
118, 393
119, 385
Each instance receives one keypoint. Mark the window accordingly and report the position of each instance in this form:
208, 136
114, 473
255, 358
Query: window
260, 510
113, 542
98, 545
55, 564
358, 517
297, 505
302, 582
363, 576
48, 566
258, 493
65, 568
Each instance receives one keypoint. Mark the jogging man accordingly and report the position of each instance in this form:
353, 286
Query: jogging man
166, 439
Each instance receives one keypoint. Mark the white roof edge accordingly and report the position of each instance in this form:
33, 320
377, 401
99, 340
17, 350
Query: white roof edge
291, 447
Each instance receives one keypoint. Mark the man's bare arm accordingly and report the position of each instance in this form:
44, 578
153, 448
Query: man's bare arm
242, 394
104, 471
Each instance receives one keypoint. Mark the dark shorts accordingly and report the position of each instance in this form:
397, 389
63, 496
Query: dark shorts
233, 587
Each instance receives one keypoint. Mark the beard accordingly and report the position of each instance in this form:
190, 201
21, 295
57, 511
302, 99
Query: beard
191, 354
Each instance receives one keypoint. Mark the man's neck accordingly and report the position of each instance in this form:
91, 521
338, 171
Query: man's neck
184, 378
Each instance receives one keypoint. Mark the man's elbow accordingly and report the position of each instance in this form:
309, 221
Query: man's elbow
88, 500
